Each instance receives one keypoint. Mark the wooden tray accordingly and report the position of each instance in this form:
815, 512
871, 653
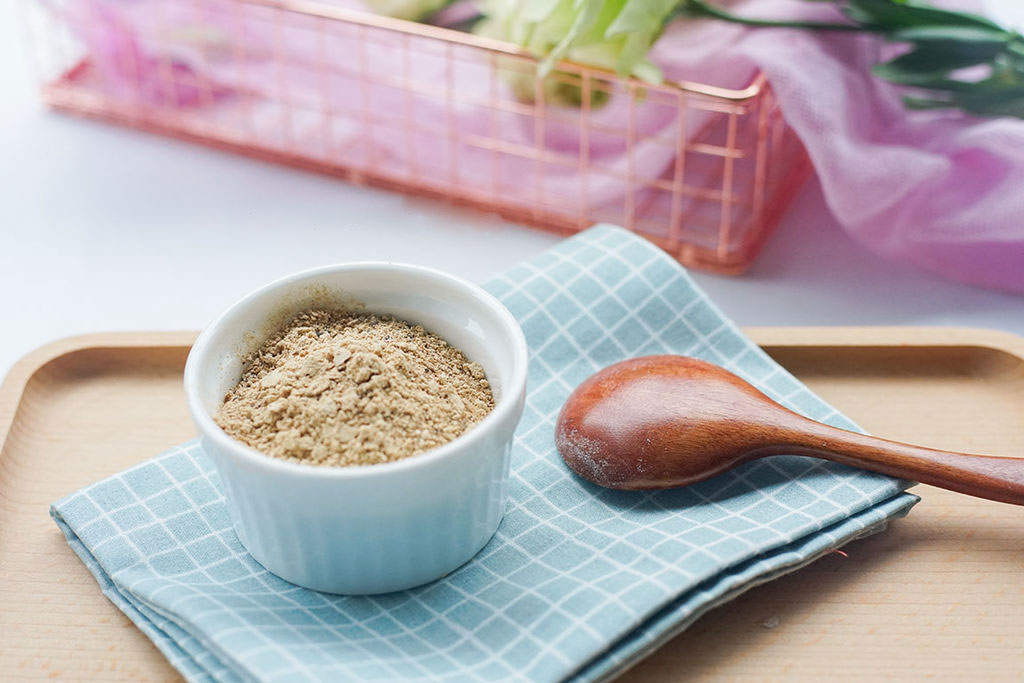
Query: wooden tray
941, 594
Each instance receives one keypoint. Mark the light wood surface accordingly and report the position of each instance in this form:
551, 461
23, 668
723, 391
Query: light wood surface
939, 595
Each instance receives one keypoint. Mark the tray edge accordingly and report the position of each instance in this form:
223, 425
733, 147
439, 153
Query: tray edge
21, 373
17, 378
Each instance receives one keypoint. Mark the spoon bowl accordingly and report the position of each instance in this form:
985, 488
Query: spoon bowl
665, 421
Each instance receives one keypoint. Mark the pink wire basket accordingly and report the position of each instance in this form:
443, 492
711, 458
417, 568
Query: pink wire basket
703, 171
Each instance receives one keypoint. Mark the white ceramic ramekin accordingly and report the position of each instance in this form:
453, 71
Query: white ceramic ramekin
378, 528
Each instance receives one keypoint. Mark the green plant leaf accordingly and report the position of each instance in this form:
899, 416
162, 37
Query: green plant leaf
937, 82
961, 34
587, 12
992, 103
618, 34
640, 23
893, 15
935, 59
921, 103
412, 10
642, 16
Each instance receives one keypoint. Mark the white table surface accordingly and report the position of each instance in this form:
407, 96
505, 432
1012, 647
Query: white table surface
108, 229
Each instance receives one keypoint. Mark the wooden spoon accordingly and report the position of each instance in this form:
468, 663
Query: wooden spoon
665, 421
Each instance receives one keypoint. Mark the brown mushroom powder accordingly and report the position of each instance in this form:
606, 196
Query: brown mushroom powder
342, 388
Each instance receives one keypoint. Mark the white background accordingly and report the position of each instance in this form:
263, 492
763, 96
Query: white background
108, 229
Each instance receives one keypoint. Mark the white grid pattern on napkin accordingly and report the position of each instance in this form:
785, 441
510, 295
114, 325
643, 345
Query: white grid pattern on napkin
578, 580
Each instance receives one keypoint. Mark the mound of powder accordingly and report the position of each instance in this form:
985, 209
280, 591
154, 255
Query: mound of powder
340, 388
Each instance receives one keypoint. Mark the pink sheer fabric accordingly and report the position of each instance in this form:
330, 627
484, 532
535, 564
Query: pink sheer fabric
940, 190
236, 62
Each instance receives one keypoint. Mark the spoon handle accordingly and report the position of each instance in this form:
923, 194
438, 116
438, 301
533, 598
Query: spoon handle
984, 476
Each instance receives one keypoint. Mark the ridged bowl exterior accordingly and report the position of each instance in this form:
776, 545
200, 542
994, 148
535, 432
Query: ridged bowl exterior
377, 528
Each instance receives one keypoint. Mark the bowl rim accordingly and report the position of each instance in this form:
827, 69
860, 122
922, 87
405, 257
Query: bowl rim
514, 386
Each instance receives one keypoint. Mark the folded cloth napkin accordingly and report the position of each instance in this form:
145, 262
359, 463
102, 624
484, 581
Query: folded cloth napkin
579, 582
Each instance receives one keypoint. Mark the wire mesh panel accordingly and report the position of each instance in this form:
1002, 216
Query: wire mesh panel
703, 171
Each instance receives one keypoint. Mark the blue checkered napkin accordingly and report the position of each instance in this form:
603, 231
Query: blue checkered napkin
578, 582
